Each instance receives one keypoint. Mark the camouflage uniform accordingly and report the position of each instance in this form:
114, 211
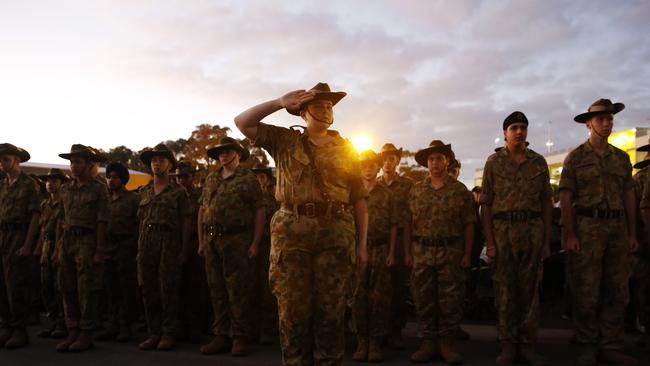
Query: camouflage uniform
120, 264
400, 274
641, 261
373, 291
18, 202
311, 255
601, 268
50, 292
439, 218
228, 218
159, 247
80, 278
268, 313
517, 189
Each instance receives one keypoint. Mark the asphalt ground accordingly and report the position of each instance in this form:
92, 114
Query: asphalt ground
480, 350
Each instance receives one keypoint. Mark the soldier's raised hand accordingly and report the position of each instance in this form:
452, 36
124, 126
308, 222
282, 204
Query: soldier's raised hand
294, 99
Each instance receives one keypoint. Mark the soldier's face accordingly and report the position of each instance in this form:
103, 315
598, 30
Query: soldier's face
8, 162
113, 181
228, 156
516, 133
437, 163
318, 113
80, 167
185, 180
369, 170
52, 185
160, 165
602, 124
263, 179
390, 162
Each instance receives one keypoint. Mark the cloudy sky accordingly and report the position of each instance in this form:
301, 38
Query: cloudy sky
136, 72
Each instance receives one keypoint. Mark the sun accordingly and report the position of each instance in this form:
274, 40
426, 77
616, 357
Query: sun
361, 142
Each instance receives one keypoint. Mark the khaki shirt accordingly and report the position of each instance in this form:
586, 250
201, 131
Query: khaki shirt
441, 213
382, 212
19, 200
595, 181
232, 201
400, 187
169, 208
509, 186
84, 206
337, 162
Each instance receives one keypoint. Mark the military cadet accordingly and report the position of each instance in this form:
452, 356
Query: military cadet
194, 286
516, 210
268, 322
313, 233
373, 290
165, 221
232, 217
120, 280
50, 292
400, 186
641, 272
599, 217
19, 216
442, 218
83, 219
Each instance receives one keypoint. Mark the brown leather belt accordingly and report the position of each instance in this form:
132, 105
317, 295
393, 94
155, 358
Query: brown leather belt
317, 209
599, 214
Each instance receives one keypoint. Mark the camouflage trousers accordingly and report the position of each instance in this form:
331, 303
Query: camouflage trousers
230, 275
641, 287
15, 300
311, 261
50, 292
268, 313
80, 279
194, 292
438, 287
373, 293
159, 273
600, 273
517, 272
121, 283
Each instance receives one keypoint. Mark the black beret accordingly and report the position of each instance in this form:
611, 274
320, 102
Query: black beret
515, 117
120, 170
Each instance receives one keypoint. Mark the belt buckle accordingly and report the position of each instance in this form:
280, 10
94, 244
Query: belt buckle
310, 209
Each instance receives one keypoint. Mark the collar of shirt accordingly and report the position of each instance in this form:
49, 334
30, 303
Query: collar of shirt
590, 149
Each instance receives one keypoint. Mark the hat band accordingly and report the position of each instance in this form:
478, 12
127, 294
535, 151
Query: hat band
602, 108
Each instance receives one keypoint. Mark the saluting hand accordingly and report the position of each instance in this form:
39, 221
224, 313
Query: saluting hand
294, 99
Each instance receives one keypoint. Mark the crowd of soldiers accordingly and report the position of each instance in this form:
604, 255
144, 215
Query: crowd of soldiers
286, 255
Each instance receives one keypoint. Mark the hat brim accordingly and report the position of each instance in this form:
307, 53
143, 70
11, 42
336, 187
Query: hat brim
642, 164
392, 152
333, 97
215, 151
23, 155
584, 117
644, 148
423, 155
45, 177
146, 157
87, 156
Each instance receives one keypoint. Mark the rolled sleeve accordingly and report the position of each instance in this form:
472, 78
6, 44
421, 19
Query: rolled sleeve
487, 186
568, 176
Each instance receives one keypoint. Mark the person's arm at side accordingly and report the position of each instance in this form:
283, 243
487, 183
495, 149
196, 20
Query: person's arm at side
547, 218
258, 232
629, 202
32, 231
199, 228
361, 221
568, 219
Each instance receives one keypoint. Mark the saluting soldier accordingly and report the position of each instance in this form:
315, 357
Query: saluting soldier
373, 290
599, 218
19, 216
232, 221
121, 250
400, 187
313, 233
268, 313
50, 292
165, 221
83, 219
443, 220
516, 209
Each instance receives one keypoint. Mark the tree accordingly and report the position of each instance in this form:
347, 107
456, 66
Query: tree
201, 140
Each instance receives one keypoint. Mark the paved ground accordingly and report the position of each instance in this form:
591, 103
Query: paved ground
481, 350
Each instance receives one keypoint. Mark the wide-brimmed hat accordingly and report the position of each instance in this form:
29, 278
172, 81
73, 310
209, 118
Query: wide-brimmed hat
229, 143
261, 168
81, 151
435, 146
54, 173
100, 157
119, 169
643, 163
322, 92
601, 106
10, 149
367, 156
389, 148
184, 168
158, 150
